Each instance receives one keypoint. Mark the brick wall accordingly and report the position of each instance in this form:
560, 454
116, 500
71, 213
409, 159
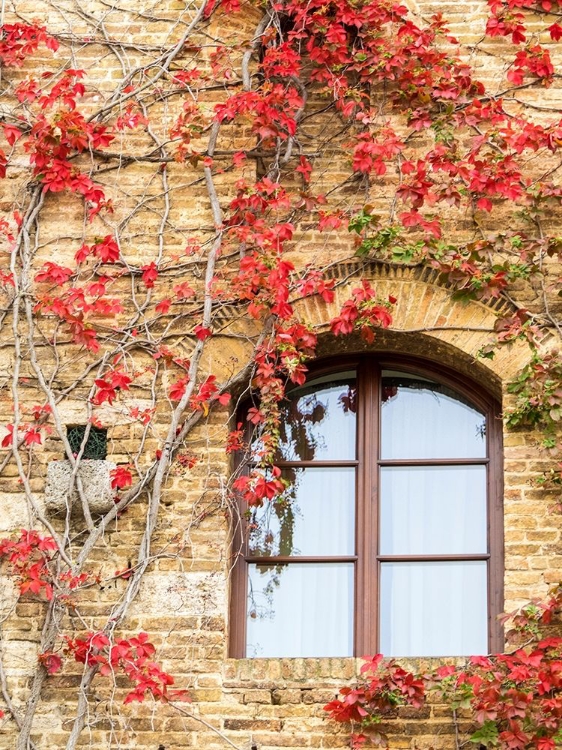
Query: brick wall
183, 602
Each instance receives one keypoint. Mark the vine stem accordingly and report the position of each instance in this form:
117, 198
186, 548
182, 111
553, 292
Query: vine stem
166, 59
206, 724
117, 614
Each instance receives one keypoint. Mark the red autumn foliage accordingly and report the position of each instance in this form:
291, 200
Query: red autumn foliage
347, 47
514, 699
130, 656
363, 312
121, 477
28, 558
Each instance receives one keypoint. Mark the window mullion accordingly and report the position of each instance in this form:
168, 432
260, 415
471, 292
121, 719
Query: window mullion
366, 593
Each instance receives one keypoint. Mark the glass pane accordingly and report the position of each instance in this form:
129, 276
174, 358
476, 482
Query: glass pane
318, 420
423, 419
301, 609
433, 510
434, 609
315, 516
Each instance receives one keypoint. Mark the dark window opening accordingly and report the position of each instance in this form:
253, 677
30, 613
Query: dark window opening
96, 444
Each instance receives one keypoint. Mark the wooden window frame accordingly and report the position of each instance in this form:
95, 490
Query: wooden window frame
367, 559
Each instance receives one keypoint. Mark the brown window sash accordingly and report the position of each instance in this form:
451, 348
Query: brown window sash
367, 560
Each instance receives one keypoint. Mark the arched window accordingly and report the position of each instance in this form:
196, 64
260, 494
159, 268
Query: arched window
389, 536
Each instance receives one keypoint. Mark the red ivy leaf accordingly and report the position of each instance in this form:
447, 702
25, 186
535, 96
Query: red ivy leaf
163, 307
3, 164
555, 31
9, 438
183, 291
121, 477
305, 168
202, 333
54, 273
178, 388
107, 249
12, 134
99, 640
149, 274
51, 662
32, 436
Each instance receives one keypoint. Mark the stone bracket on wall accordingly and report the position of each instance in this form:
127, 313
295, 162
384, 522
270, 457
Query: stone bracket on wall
96, 483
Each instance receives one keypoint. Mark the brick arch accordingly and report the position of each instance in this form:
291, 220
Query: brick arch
427, 321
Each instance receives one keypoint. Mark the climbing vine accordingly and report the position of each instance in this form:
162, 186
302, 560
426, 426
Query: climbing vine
123, 308
513, 700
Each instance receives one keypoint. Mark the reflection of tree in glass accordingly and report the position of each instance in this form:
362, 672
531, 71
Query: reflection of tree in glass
390, 386
296, 438
265, 540
264, 611
348, 400
301, 436
271, 528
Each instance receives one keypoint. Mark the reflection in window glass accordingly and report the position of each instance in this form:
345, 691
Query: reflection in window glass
315, 516
433, 510
422, 419
434, 608
424, 483
318, 420
301, 609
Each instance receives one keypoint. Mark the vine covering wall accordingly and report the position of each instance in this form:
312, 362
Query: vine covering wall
198, 198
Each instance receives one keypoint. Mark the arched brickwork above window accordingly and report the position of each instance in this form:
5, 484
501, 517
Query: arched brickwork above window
427, 321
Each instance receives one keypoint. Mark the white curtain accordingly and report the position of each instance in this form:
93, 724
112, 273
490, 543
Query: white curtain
305, 610
434, 609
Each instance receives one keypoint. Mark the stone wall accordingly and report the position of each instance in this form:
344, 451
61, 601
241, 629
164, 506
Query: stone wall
184, 598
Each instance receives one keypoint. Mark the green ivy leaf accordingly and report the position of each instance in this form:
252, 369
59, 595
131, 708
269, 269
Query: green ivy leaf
486, 735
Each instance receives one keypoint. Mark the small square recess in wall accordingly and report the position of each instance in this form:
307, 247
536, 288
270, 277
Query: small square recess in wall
96, 445
93, 474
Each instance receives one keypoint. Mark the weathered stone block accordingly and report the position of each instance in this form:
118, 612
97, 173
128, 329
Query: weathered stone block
96, 484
